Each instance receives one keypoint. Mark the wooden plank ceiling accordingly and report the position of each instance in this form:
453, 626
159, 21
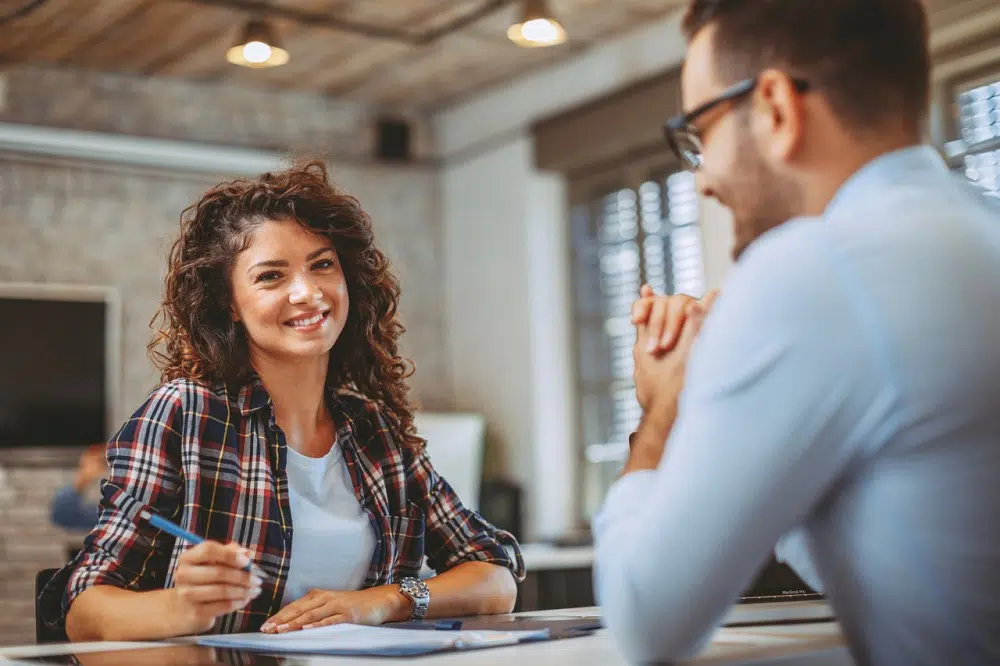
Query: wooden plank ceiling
439, 50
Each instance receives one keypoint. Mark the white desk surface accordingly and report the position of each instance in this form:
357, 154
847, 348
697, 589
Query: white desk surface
812, 644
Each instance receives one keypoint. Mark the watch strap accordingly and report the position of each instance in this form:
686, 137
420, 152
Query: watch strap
416, 591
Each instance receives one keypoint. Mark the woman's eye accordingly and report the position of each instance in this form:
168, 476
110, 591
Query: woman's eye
323, 264
269, 276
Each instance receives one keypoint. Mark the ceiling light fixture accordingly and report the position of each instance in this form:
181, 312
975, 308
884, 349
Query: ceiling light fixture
537, 27
257, 47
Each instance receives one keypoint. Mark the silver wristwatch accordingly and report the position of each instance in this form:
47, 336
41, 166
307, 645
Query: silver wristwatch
416, 591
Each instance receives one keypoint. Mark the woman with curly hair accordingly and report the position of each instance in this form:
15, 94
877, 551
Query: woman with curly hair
282, 433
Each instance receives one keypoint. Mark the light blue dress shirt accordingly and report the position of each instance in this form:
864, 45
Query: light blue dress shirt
845, 392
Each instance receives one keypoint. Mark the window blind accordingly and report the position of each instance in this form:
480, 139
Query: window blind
979, 119
643, 234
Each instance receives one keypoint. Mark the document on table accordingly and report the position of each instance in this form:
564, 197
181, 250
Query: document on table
352, 639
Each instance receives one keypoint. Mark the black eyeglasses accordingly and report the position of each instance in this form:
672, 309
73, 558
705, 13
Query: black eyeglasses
685, 139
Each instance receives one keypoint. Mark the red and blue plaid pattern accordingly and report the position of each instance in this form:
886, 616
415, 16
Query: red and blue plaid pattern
214, 463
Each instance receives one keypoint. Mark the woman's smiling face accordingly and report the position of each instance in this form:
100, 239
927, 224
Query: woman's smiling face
289, 292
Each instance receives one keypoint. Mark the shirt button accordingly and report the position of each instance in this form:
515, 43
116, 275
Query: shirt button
288, 534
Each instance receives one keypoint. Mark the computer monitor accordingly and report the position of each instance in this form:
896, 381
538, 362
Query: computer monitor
59, 369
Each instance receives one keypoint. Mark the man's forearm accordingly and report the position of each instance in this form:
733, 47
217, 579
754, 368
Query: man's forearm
646, 448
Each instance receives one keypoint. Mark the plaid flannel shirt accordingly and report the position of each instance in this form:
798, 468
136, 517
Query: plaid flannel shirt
214, 462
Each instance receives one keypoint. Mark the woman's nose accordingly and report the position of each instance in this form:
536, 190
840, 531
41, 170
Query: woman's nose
304, 290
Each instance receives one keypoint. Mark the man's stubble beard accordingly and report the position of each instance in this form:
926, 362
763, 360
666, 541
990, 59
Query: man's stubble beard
771, 199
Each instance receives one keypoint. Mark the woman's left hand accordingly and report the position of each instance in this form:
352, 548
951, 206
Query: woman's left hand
319, 608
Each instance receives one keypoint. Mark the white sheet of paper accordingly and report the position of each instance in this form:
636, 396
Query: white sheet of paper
359, 639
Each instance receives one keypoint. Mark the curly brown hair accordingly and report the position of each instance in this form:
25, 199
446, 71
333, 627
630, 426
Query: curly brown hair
196, 338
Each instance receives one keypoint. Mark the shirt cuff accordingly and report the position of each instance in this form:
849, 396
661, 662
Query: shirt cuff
792, 549
622, 498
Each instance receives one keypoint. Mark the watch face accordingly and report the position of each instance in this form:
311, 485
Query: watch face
414, 588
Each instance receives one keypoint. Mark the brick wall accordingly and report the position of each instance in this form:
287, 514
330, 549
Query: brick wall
73, 222
28, 543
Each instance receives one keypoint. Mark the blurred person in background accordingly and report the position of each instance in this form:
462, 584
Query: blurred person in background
71, 508
838, 398
282, 433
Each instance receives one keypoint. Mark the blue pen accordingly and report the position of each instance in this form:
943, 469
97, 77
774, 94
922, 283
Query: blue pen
450, 625
172, 529
435, 625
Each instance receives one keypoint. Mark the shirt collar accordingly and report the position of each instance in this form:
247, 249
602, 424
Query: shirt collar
904, 165
252, 396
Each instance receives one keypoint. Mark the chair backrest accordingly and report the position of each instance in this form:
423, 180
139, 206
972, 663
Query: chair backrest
43, 633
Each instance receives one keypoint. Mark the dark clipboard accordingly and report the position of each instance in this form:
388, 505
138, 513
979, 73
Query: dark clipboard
557, 627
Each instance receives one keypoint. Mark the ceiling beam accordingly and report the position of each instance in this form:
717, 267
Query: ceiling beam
22, 11
496, 115
962, 31
185, 156
261, 8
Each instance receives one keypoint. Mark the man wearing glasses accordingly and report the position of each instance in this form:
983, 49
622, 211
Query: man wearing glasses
842, 393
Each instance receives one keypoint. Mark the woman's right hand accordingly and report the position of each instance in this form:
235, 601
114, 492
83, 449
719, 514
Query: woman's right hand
211, 581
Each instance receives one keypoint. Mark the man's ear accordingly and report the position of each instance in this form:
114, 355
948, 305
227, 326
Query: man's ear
783, 112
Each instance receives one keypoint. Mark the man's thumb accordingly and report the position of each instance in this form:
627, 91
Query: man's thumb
692, 323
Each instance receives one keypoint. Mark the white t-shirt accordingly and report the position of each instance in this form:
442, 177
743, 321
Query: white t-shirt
333, 540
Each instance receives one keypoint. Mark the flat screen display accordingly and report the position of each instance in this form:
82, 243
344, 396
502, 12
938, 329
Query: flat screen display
53, 373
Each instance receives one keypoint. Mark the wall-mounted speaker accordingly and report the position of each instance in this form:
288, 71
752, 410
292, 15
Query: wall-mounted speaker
501, 504
392, 140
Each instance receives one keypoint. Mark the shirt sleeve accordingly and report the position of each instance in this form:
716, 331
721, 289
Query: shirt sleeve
144, 460
70, 511
793, 550
453, 533
782, 389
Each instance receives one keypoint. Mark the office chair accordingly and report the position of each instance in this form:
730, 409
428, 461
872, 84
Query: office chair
43, 633
456, 443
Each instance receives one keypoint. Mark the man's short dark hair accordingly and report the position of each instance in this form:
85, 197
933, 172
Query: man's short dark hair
869, 58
